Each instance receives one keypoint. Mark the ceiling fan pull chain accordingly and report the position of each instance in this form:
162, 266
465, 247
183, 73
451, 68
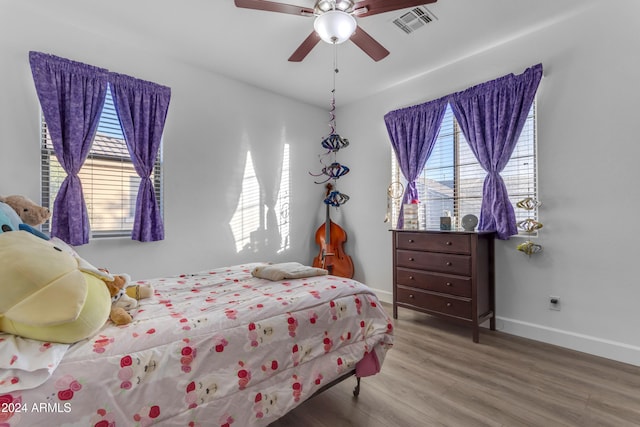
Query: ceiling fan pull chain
332, 143
332, 115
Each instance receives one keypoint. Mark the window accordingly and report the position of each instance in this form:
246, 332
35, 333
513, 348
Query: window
109, 180
451, 182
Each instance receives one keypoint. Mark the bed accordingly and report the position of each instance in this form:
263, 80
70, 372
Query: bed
214, 348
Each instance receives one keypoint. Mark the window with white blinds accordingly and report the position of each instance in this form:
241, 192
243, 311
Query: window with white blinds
451, 182
109, 180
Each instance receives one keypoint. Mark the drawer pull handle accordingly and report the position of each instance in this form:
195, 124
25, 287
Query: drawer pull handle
449, 284
449, 264
411, 296
448, 243
410, 259
448, 304
410, 277
410, 240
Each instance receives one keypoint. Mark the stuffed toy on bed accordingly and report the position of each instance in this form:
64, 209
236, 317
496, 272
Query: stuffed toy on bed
29, 212
124, 296
11, 221
44, 293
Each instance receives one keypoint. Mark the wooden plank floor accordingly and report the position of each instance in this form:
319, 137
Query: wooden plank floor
436, 376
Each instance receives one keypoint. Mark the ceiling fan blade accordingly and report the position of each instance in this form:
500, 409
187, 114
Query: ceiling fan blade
271, 6
303, 50
373, 7
369, 45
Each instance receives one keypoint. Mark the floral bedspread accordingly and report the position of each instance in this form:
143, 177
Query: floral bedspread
215, 348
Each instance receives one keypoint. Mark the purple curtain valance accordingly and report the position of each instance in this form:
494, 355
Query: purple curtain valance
413, 132
71, 95
491, 116
142, 110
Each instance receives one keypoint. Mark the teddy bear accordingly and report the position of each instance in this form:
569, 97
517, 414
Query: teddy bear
124, 296
29, 212
10, 221
118, 315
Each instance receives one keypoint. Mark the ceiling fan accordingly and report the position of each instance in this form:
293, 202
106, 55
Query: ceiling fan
335, 21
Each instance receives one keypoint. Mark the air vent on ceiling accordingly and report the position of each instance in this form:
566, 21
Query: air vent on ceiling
414, 20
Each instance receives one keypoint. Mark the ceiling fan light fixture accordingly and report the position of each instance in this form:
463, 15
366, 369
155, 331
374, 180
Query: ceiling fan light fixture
335, 26
324, 6
327, 5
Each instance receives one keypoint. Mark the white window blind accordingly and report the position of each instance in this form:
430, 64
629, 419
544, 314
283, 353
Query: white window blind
109, 180
452, 180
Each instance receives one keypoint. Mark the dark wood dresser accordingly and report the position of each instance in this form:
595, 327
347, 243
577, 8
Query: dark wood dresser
449, 274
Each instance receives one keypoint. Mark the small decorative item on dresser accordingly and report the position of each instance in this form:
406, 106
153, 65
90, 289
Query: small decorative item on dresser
410, 215
445, 221
469, 222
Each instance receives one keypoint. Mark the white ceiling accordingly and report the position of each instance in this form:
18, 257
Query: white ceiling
253, 46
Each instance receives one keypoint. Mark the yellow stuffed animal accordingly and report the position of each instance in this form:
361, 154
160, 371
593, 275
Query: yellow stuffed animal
45, 294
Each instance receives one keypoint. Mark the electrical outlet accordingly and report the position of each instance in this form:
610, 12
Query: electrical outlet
554, 302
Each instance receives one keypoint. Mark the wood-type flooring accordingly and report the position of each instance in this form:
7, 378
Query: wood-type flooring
436, 376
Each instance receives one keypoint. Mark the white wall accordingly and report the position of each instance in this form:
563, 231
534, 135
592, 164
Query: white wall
212, 122
588, 150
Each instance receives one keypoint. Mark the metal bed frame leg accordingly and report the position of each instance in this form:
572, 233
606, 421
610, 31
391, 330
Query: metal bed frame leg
356, 390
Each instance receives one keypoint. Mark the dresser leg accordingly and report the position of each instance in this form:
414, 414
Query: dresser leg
476, 334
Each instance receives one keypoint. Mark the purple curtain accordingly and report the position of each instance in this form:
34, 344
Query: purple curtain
413, 132
491, 117
142, 110
71, 95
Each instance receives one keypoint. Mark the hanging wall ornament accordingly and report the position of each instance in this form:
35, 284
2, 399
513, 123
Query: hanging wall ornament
334, 171
394, 194
529, 248
336, 199
529, 226
529, 204
334, 142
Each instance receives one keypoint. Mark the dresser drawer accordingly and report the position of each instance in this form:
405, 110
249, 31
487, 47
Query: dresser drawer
434, 302
444, 263
435, 242
443, 283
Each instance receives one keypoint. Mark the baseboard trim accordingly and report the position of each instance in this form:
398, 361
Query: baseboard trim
608, 349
